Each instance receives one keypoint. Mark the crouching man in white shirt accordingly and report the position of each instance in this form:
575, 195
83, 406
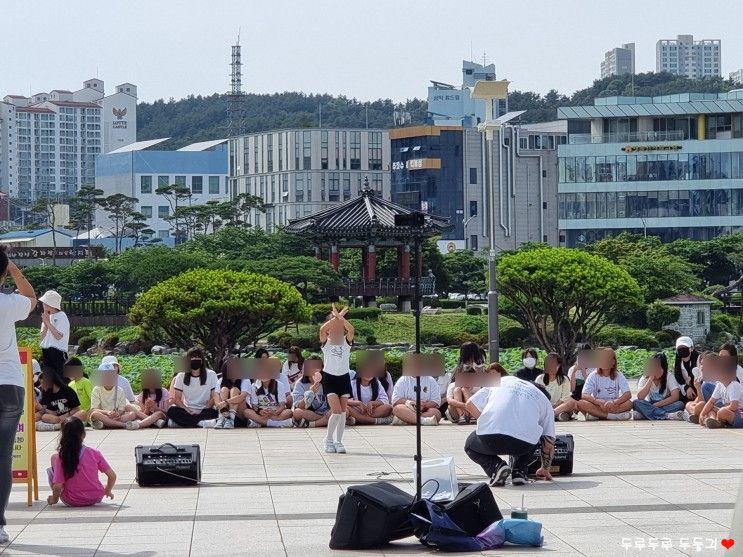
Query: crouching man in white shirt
512, 419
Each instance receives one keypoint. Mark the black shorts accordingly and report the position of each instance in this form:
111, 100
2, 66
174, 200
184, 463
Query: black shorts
337, 385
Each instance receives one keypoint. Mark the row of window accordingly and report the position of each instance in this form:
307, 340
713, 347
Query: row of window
196, 186
651, 204
651, 168
577, 238
334, 186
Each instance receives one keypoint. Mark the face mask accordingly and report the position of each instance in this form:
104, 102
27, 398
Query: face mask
195, 364
529, 362
683, 351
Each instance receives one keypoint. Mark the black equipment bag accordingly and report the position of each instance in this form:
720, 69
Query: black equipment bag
370, 516
474, 508
562, 461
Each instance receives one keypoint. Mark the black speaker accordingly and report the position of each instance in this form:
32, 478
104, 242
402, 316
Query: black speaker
168, 464
562, 460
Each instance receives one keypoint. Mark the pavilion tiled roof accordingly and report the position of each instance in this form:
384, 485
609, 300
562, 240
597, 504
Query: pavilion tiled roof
368, 215
685, 299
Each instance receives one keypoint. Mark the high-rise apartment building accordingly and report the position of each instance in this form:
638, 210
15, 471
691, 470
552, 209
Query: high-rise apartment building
737, 76
685, 56
619, 61
297, 172
49, 141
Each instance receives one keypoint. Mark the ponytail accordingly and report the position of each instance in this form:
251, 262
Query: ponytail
70, 445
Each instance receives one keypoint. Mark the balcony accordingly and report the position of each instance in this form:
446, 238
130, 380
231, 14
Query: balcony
627, 137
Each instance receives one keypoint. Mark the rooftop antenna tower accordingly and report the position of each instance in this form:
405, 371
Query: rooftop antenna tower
236, 97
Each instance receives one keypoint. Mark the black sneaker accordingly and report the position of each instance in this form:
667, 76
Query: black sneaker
499, 477
518, 477
303, 423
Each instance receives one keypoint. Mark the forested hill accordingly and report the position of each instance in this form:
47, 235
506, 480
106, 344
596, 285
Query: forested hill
203, 118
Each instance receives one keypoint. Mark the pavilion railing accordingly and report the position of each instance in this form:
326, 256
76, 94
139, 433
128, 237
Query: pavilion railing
384, 287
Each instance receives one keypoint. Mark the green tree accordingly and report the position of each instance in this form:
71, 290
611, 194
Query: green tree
82, 207
174, 194
660, 275
565, 295
659, 315
45, 277
121, 211
720, 261
138, 270
230, 243
86, 280
218, 309
308, 274
625, 244
466, 271
43, 208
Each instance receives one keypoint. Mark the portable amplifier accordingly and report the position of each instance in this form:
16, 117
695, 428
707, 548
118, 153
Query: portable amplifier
168, 464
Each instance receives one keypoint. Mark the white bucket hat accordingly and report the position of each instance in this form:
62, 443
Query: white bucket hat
52, 298
684, 341
110, 359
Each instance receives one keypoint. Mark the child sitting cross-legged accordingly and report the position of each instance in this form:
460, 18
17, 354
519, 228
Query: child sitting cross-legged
73, 476
108, 404
729, 391
153, 401
310, 405
369, 404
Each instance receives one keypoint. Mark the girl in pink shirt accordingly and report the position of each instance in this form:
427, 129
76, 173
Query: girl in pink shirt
73, 476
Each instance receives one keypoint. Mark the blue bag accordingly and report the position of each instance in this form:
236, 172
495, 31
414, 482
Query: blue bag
522, 531
434, 528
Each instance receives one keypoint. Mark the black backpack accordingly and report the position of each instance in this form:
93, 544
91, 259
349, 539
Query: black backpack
370, 516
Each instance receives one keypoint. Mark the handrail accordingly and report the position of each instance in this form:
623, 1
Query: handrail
625, 137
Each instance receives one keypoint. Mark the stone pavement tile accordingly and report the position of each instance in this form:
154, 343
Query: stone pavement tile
45, 550
138, 549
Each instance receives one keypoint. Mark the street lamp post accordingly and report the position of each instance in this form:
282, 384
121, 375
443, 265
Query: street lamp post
490, 91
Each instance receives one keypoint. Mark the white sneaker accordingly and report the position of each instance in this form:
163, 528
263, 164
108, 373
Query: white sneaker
220, 423
160, 424
677, 416
171, 423
591, 418
339, 447
4, 537
329, 446
397, 421
229, 423
280, 423
383, 421
208, 424
637, 416
254, 425
431, 420
97, 424
43, 426
134, 424
619, 417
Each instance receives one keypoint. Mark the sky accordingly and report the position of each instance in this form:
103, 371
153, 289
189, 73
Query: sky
360, 49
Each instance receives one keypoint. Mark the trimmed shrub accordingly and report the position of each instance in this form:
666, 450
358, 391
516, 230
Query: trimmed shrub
723, 323
79, 333
86, 343
474, 310
451, 304
659, 315
110, 341
371, 339
616, 335
319, 313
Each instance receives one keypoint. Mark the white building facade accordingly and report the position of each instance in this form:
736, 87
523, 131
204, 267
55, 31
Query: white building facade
298, 172
685, 56
619, 61
49, 141
736, 76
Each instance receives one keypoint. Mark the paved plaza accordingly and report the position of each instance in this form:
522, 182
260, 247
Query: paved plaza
274, 492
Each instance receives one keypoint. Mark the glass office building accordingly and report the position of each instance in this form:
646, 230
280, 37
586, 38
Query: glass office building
668, 166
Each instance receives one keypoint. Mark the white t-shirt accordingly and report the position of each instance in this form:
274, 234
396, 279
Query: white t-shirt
405, 389
604, 387
453, 385
247, 387
444, 382
197, 396
366, 392
13, 307
123, 384
268, 400
739, 374
671, 384
107, 399
288, 369
62, 324
734, 391
336, 358
516, 408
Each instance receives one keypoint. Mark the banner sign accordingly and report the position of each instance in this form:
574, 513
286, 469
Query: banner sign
24, 448
61, 253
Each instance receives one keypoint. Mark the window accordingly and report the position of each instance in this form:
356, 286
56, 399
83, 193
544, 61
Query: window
334, 191
197, 185
180, 181
700, 318
163, 181
269, 151
346, 186
281, 150
473, 175
355, 150
324, 150
375, 150
473, 242
163, 234
163, 211
296, 150
213, 185
299, 187
145, 184
146, 211
307, 150
473, 208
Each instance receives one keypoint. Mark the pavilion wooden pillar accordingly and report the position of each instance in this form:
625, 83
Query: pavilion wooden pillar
335, 256
371, 262
403, 262
318, 252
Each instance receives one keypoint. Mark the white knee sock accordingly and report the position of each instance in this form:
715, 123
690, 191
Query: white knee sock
341, 427
332, 425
